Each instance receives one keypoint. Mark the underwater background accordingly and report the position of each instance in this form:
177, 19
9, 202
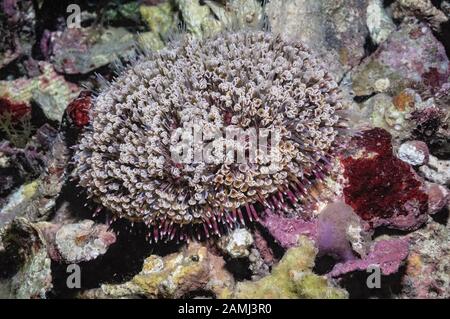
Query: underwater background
95, 97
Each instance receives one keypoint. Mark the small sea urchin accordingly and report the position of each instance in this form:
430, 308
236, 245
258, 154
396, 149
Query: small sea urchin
253, 81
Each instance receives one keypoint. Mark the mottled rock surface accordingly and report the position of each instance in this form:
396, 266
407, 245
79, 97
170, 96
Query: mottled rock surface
79, 51
336, 30
410, 56
292, 278
387, 254
83, 241
237, 243
428, 264
174, 276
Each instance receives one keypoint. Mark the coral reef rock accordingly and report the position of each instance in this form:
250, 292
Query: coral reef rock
160, 19
378, 22
427, 267
287, 230
340, 232
81, 50
334, 29
387, 254
49, 90
17, 28
210, 17
25, 246
18, 202
438, 197
410, 56
437, 171
410, 116
263, 247
421, 9
174, 276
258, 264
382, 189
83, 241
237, 243
414, 153
292, 278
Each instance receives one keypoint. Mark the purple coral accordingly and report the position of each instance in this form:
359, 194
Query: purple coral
388, 254
234, 81
286, 231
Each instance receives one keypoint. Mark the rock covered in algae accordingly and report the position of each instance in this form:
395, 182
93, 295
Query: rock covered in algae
335, 29
286, 231
17, 203
26, 248
49, 90
438, 197
292, 278
436, 170
195, 269
421, 9
409, 114
378, 21
382, 189
410, 56
388, 254
18, 28
174, 276
237, 243
340, 232
81, 50
427, 267
83, 241
211, 17
200, 18
159, 18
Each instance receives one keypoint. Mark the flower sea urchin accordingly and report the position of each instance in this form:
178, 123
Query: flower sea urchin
244, 80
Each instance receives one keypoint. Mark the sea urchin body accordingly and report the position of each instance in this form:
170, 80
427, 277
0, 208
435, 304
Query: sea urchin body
248, 81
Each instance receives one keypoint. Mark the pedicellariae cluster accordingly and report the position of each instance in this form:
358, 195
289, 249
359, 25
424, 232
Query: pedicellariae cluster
247, 81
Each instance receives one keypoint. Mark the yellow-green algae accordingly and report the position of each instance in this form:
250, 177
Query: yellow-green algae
292, 278
159, 18
174, 276
195, 268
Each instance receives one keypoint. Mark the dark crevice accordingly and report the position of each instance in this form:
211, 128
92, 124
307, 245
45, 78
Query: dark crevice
131, 247
323, 264
444, 36
356, 284
362, 98
442, 217
239, 268
277, 249
369, 46
383, 230
388, 3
